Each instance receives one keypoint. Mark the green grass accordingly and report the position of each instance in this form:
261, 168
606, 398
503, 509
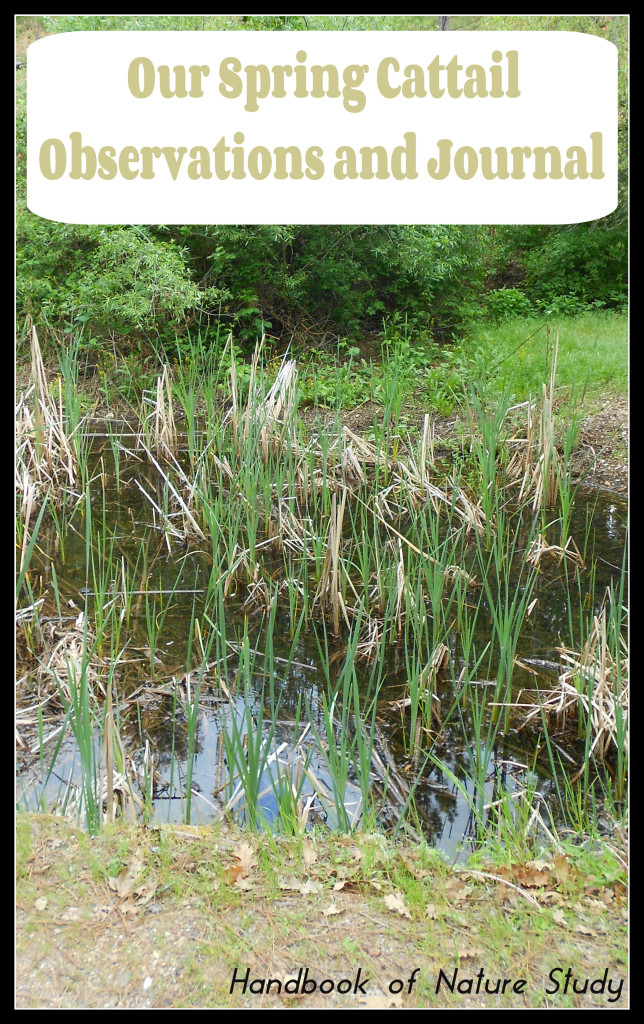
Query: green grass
276, 917
511, 357
593, 354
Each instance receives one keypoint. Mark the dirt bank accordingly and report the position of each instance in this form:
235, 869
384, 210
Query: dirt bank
602, 454
171, 917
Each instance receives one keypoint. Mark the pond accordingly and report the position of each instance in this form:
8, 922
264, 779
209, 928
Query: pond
234, 692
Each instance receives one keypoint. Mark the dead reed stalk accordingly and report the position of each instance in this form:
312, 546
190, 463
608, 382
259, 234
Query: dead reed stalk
329, 595
536, 461
595, 683
46, 461
165, 440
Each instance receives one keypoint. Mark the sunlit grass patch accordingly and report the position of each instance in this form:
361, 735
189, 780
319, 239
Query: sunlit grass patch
516, 354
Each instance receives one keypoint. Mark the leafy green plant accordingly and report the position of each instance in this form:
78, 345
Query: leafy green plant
110, 281
507, 304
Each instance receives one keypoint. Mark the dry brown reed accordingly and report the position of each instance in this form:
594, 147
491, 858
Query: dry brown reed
46, 463
536, 462
540, 549
267, 416
68, 655
164, 435
59, 655
329, 593
109, 793
595, 683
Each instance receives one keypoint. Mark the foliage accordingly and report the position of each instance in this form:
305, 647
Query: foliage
593, 353
506, 303
337, 280
582, 262
117, 281
327, 282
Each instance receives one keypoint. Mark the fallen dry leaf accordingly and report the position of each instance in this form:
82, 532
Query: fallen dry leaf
552, 896
529, 876
289, 882
332, 910
145, 892
310, 887
456, 889
239, 872
126, 879
563, 868
533, 876
297, 885
541, 865
309, 856
394, 901
594, 904
246, 857
581, 928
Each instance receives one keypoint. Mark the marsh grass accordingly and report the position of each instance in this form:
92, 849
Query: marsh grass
360, 540
72, 669
344, 744
46, 457
593, 689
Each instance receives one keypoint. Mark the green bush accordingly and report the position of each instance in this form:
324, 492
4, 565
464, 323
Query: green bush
117, 281
566, 268
335, 280
508, 303
587, 261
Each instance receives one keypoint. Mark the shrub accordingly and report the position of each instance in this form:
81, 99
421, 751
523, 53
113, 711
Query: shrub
117, 281
508, 303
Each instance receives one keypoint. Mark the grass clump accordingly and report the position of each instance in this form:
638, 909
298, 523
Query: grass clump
592, 357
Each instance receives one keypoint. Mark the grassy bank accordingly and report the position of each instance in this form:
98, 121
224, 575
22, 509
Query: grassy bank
512, 357
170, 917
592, 361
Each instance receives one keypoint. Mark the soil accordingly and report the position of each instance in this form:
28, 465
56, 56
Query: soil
602, 455
196, 919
